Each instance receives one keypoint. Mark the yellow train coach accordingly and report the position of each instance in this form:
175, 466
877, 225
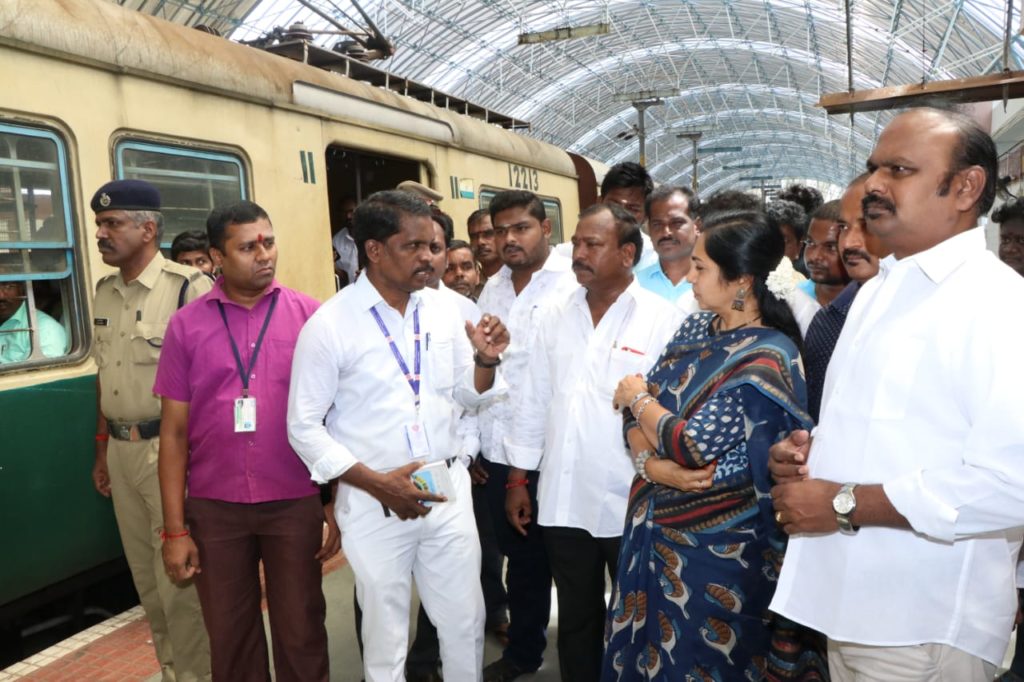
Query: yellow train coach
90, 91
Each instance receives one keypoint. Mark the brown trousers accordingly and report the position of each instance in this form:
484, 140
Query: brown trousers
232, 539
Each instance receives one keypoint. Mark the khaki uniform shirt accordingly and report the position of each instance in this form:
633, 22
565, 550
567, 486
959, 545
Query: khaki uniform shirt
129, 332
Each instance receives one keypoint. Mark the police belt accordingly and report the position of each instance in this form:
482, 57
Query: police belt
134, 431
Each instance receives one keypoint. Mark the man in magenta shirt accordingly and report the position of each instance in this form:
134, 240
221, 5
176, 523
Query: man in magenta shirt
223, 380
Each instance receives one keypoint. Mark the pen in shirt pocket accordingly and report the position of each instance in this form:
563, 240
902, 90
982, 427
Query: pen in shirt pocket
428, 340
630, 350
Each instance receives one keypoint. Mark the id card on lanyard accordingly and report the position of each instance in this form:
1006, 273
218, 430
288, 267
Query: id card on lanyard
415, 434
245, 405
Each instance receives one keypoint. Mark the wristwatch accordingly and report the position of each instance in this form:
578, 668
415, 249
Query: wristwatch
483, 364
843, 504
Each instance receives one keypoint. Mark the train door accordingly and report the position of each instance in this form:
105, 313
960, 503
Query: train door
353, 175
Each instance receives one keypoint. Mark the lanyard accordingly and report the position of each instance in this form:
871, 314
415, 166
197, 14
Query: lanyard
243, 373
414, 378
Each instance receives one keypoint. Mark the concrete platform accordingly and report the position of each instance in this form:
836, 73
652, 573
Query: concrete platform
120, 648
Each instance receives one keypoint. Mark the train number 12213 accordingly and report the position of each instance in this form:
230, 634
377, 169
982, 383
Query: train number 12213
522, 177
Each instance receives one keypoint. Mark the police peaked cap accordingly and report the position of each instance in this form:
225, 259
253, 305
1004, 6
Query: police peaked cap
126, 195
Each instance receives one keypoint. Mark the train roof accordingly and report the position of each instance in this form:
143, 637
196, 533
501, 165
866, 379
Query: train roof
108, 36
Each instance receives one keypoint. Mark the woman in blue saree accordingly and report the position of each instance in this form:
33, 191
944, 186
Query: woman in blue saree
701, 550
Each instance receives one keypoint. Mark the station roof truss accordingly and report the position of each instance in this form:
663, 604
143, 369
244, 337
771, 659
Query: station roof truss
745, 73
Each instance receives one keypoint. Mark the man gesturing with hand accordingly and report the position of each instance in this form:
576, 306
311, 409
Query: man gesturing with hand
382, 373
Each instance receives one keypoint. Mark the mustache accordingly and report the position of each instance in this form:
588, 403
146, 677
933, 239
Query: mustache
875, 200
579, 265
668, 240
104, 245
511, 248
856, 253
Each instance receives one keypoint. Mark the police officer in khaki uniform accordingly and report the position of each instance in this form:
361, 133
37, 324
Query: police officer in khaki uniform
132, 309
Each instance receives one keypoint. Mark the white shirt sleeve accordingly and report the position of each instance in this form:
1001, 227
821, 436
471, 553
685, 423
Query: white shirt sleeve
524, 445
316, 367
468, 433
804, 309
465, 371
985, 493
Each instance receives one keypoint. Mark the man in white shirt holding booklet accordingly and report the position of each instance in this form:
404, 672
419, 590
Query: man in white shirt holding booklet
381, 375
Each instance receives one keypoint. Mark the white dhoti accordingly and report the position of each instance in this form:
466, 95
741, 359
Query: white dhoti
441, 551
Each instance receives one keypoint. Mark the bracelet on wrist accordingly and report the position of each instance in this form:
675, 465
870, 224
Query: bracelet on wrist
637, 413
516, 484
637, 398
165, 536
640, 462
102, 437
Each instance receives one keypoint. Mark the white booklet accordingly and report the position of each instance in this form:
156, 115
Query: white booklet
434, 478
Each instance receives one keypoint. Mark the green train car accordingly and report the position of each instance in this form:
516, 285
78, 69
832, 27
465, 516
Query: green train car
92, 91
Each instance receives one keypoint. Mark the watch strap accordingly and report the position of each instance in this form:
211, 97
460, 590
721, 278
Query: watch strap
483, 364
845, 522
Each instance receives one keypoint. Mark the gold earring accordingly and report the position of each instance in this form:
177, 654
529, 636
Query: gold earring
738, 302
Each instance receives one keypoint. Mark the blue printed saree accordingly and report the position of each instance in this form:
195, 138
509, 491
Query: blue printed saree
697, 570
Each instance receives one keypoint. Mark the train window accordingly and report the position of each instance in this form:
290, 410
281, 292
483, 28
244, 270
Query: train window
191, 181
39, 287
552, 207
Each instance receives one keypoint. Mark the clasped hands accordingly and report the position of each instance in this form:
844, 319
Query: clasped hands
802, 504
663, 471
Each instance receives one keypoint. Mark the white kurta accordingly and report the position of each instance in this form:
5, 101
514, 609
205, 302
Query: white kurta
348, 253
922, 395
565, 424
550, 285
345, 370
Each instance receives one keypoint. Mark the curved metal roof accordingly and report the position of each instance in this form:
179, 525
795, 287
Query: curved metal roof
746, 73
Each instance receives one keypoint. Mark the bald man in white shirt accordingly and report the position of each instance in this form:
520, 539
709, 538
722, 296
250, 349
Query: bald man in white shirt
906, 513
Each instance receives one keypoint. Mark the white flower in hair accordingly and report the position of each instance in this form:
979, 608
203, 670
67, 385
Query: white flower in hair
781, 281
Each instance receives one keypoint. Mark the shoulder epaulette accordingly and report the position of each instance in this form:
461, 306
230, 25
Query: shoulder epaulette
187, 273
184, 271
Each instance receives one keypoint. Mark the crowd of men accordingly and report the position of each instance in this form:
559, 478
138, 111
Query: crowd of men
448, 414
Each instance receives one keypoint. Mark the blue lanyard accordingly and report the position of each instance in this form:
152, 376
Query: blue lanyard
414, 377
256, 348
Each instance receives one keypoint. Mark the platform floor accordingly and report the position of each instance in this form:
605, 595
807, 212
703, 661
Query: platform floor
120, 649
